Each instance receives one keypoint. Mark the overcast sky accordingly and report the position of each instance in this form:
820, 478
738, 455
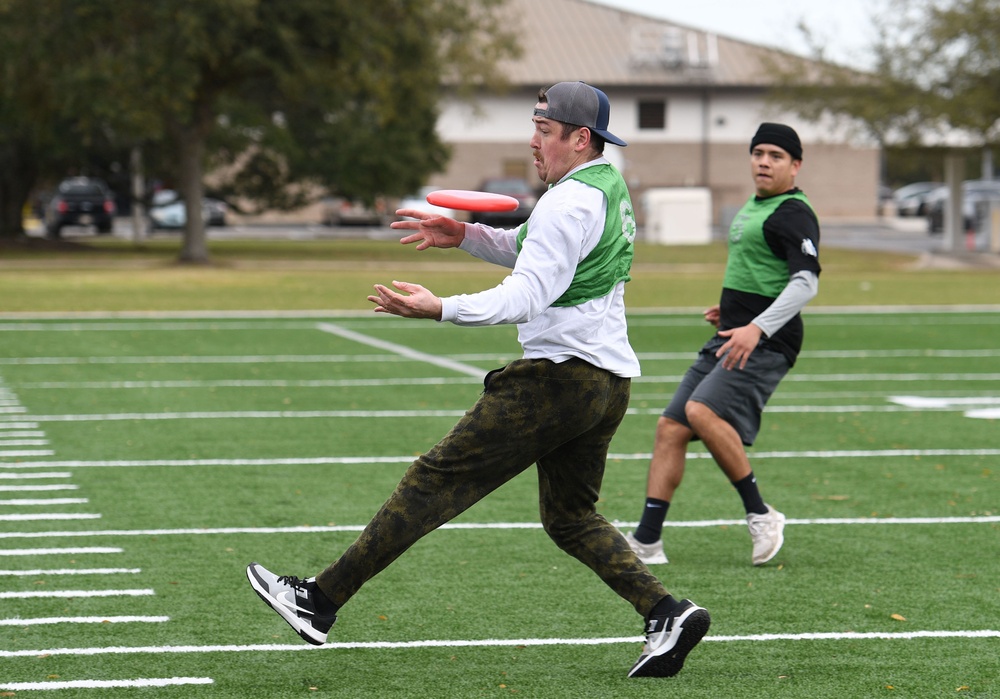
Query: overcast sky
845, 27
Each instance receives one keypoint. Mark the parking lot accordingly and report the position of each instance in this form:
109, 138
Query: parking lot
886, 233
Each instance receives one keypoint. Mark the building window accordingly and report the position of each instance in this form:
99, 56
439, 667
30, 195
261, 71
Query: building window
515, 168
652, 115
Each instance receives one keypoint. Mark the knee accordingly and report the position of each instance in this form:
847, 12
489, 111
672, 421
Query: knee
561, 532
670, 432
698, 414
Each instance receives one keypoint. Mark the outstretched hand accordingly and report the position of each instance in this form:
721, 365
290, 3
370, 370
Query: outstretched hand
418, 302
432, 230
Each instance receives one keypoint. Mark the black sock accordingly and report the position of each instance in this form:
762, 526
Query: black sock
322, 603
753, 503
665, 606
651, 523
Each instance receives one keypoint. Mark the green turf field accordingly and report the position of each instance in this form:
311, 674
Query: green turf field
146, 459
192, 446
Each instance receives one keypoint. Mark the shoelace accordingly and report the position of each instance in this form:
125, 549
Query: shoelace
759, 524
293, 580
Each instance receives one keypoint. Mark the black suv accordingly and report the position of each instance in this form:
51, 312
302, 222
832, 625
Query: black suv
513, 187
80, 201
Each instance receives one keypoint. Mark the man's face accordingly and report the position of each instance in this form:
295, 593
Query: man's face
554, 155
772, 169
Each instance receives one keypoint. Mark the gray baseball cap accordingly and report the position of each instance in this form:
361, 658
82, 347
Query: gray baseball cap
582, 105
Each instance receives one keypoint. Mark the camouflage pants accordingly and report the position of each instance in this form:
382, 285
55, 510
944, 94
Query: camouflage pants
559, 416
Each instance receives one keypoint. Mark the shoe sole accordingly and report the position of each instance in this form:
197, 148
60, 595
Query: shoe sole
694, 625
291, 618
774, 551
653, 560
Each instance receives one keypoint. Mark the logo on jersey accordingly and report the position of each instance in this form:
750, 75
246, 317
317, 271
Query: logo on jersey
736, 229
628, 221
808, 248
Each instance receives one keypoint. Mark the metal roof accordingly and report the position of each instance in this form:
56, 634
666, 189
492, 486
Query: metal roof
609, 47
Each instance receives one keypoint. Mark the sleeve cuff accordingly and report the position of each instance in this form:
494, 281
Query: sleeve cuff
449, 309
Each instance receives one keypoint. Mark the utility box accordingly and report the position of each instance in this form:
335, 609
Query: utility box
678, 215
994, 226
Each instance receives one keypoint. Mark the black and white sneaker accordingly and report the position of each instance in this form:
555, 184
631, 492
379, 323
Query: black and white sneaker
294, 600
669, 638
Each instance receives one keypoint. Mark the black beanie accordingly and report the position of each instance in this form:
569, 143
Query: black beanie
778, 135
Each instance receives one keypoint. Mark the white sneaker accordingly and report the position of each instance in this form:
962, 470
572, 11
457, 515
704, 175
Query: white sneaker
650, 554
294, 600
767, 533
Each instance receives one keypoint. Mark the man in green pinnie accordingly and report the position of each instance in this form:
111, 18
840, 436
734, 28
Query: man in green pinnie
557, 407
771, 274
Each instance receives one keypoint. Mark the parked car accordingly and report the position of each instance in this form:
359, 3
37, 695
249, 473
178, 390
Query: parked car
512, 187
80, 201
976, 196
215, 211
169, 212
341, 211
911, 199
418, 201
884, 199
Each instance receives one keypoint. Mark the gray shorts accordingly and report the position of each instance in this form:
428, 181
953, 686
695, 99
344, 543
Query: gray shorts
738, 396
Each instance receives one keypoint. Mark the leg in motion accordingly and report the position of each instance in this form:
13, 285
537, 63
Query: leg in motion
725, 444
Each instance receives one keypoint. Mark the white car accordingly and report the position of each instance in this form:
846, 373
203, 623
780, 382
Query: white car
419, 201
340, 211
911, 199
168, 210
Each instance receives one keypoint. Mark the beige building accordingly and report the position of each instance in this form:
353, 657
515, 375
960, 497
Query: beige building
686, 101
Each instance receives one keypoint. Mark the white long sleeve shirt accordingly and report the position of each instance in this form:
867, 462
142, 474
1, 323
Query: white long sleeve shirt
566, 224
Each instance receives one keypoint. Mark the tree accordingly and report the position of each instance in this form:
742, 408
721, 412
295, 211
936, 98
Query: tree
936, 73
281, 96
33, 138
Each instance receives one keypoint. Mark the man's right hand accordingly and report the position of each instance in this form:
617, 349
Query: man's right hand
432, 231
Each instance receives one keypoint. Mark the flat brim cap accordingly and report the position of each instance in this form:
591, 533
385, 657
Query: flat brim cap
580, 104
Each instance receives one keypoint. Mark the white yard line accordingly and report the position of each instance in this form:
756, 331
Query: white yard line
35, 488
454, 381
37, 476
47, 517
493, 643
75, 594
71, 550
408, 458
511, 526
207, 359
250, 383
104, 684
477, 357
415, 414
402, 350
43, 621
247, 415
41, 572
45, 501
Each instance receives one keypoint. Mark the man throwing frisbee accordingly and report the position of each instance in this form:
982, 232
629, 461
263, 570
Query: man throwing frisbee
556, 408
